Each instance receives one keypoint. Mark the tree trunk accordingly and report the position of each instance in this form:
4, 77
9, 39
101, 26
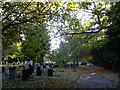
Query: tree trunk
74, 66
77, 63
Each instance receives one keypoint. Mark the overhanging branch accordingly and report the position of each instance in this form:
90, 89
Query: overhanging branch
99, 29
81, 33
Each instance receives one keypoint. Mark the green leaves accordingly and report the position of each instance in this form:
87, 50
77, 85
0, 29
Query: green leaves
17, 16
71, 6
86, 24
24, 22
35, 46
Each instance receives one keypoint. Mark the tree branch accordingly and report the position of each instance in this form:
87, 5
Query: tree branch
81, 33
99, 28
7, 26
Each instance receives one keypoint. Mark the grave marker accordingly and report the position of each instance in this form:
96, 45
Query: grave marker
12, 72
50, 72
3, 69
39, 72
25, 74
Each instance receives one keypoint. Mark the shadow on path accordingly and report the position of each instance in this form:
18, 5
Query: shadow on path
96, 77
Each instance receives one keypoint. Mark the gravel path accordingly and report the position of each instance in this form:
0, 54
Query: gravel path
82, 77
97, 78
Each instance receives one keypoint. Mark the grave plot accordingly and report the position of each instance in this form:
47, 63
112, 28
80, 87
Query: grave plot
52, 79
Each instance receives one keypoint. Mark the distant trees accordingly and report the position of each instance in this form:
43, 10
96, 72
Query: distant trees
73, 49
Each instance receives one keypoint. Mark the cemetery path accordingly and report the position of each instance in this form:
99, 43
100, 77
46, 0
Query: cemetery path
97, 77
81, 77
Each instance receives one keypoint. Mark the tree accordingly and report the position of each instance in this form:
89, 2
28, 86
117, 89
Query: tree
17, 16
113, 35
97, 19
36, 44
113, 32
107, 54
79, 46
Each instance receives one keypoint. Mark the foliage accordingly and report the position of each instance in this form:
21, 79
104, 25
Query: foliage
108, 53
113, 32
26, 22
78, 47
17, 18
36, 44
74, 49
19, 21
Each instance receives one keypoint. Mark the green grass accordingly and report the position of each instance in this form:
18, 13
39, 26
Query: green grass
58, 80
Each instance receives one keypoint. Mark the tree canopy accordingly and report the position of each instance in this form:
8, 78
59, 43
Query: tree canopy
89, 30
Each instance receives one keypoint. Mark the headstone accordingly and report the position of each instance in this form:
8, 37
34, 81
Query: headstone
46, 69
41, 67
71, 65
50, 72
65, 66
3, 69
39, 72
31, 69
12, 72
25, 74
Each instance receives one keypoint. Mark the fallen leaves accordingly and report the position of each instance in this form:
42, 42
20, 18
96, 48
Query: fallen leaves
66, 79
58, 80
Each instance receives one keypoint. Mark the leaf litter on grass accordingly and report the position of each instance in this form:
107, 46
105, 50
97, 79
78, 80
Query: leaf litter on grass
58, 80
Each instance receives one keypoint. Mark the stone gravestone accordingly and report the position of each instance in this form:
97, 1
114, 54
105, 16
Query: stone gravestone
50, 72
71, 65
47, 67
31, 69
25, 74
12, 72
41, 67
3, 69
44, 67
39, 71
65, 66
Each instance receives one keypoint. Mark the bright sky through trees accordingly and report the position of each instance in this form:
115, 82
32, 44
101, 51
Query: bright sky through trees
55, 42
84, 16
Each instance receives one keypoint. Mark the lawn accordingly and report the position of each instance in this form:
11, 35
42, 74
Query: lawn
60, 79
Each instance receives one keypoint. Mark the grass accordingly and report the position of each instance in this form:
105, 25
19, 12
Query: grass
58, 80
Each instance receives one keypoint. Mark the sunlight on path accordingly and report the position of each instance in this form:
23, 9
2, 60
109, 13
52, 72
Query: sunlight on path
95, 78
